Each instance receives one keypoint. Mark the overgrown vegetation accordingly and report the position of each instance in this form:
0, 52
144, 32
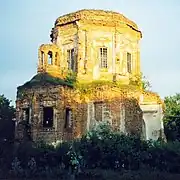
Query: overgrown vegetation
172, 117
91, 86
140, 81
7, 113
44, 79
100, 154
100, 150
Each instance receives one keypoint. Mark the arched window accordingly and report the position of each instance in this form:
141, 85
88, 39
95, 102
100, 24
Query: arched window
50, 58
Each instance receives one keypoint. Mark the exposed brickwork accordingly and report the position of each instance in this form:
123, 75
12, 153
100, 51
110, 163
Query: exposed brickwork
63, 97
76, 49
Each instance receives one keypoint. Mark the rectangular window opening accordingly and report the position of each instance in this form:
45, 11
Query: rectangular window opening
98, 110
48, 114
26, 114
103, 58
129, 68
71, 59
68, 118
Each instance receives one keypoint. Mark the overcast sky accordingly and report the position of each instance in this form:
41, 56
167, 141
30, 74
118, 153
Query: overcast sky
26, 24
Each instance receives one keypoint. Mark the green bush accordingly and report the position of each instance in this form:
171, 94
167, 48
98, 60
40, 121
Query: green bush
101, 148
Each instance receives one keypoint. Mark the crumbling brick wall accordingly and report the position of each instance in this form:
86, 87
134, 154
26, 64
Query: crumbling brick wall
61, 98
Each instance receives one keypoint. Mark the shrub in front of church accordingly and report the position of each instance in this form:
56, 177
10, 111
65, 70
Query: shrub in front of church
100, 148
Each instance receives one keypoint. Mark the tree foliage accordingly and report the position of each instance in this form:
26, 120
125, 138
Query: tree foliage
145, 83
172, 117
7, 113
6, 110
140, 81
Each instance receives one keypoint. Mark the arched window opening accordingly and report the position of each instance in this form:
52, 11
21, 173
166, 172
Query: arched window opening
42, 57
50, 58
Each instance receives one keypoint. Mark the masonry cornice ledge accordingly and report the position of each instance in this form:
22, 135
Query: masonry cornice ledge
97, 17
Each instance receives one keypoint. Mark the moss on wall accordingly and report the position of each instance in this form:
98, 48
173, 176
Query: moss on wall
63, 93
44, 79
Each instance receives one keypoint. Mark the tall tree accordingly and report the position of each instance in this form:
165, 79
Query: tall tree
172, 117
7, 113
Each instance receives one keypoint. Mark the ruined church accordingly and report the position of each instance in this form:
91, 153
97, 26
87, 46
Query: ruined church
89, 73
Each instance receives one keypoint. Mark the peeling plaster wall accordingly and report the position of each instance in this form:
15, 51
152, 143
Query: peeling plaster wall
86, 32
152, 115
87, 38
105, 104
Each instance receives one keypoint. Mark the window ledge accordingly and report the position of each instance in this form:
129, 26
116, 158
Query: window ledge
104, 69
48, 129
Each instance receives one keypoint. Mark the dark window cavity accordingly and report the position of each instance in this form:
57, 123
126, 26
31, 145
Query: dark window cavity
68, 118
71, 59
48, 114
26, 114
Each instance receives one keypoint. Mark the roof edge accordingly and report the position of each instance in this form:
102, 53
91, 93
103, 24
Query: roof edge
83, 14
